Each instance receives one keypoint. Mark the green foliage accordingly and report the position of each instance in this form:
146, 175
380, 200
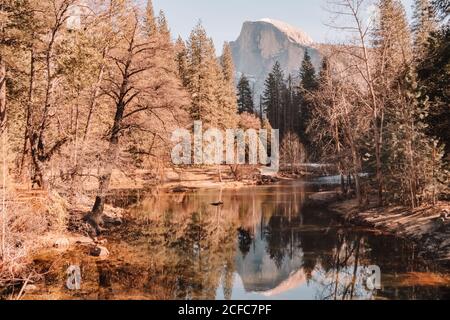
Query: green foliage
434, 79
308, 79
414, 169
272, 99
245, 96
308, 84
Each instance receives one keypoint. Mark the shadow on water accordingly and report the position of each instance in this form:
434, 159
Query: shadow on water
262, 243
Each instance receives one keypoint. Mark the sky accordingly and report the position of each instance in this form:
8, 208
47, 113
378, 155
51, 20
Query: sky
223, 19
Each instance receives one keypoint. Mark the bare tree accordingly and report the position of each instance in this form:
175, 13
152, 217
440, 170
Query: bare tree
292, 151
349, 16
141, 87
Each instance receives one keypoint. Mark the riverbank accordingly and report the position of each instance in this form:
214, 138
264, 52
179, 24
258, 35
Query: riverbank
427, 226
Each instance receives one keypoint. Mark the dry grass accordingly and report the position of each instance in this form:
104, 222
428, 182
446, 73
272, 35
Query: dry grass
30, 217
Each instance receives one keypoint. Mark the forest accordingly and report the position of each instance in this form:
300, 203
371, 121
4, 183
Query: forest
91, 91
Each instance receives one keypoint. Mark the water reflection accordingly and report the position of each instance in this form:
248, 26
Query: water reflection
267, 243
263, 243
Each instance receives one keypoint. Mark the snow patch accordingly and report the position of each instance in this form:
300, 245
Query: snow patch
293, 33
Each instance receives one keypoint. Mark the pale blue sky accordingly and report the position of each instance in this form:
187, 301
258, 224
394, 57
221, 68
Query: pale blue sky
223, 18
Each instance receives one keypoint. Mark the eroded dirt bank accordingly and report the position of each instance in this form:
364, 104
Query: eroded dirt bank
427, 226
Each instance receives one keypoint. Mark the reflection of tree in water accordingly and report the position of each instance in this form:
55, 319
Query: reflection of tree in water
280, 238
203, 255
194, 248
339, 273
104, 280
283, 214
192, 245
245, 241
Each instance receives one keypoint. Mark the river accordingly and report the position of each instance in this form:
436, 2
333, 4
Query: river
264, 242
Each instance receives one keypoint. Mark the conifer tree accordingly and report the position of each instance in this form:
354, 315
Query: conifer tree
407, 147
182, 60
227, 64
392, 38
245, 96
163, 27
433, 72
424, 25
308, 83
273, 97
150, 20
415, 170
203, 78
308, 79
290, 110
228, 99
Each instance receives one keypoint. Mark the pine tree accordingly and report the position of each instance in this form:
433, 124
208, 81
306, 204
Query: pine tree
182, 60
392, 38
228, 99
415, 169
273, 97
308, 84
308, 79
163, 27
150, 20
434, 79
245, 96
424, 25
203, 78
392, 56
227, 64
323, 105
409, 155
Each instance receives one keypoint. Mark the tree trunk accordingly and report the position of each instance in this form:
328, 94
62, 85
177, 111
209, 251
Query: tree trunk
357, 169
28, 111
379, 175
3, 151
95, 216
2, 95
94, 96
37, 175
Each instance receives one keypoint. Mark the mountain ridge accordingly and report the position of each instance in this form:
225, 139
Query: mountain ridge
263, 42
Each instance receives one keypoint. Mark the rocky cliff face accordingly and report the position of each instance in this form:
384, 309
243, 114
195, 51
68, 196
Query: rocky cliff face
262, 43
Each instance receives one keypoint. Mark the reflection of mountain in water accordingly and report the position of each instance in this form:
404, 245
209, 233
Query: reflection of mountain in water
260, 272
272, 260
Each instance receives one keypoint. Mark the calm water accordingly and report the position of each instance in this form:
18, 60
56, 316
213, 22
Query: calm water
263, 243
